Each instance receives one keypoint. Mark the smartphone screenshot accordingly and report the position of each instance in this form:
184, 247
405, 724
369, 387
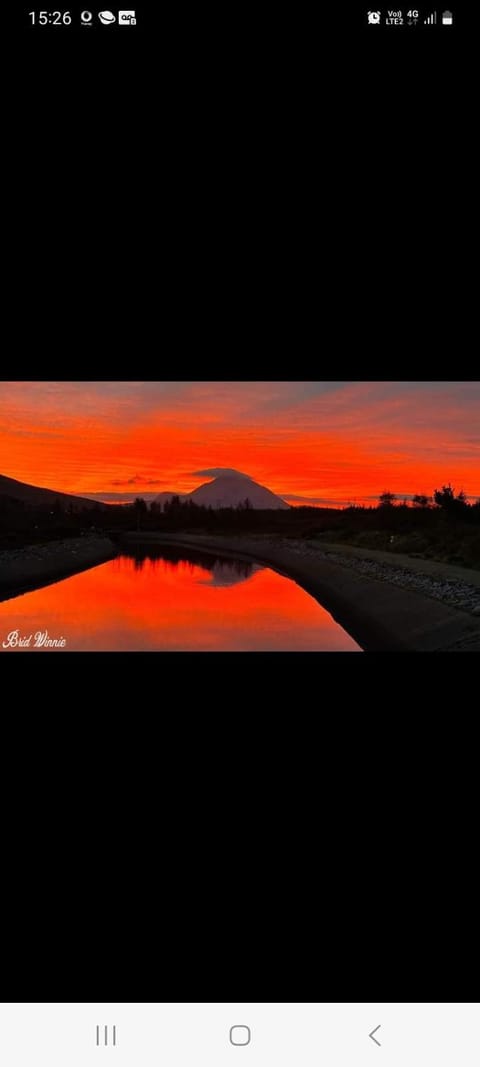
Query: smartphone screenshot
200, 579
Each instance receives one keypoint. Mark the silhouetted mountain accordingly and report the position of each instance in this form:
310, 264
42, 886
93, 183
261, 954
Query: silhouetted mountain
35, 496
230, 490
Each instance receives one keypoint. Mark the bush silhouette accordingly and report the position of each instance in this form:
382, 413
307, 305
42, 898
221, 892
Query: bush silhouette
445, 498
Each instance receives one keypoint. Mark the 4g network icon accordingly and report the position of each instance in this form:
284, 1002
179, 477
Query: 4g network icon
392, 18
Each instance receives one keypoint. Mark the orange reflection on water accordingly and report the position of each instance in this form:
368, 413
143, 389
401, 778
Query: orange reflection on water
157, 605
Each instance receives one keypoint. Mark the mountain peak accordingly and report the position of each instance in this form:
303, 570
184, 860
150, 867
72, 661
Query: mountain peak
229, 489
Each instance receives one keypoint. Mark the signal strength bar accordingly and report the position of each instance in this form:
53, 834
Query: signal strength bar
431, 20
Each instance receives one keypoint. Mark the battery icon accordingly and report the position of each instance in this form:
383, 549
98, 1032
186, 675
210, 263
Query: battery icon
447, 18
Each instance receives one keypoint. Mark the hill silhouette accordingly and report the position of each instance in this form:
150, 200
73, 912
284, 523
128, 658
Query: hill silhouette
37, 497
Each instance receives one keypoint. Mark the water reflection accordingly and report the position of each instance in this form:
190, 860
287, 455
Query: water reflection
224, 572
175, 599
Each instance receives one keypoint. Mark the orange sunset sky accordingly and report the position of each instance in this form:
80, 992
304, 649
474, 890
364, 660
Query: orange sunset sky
325, 443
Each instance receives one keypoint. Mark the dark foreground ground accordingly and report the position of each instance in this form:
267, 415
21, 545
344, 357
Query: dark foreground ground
39, 564
386, 602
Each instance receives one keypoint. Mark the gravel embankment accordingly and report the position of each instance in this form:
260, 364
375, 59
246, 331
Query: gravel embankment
454, 591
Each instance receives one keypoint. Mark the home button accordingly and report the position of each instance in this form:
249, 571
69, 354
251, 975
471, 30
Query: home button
240, 1035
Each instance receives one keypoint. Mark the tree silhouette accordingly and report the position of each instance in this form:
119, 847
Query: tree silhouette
386, 499
445, 498
421, 501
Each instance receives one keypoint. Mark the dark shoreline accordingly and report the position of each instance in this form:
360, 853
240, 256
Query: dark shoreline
26, 569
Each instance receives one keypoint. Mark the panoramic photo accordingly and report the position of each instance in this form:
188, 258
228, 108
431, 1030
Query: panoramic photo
239, 516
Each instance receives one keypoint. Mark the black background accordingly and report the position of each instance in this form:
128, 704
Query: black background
259, 193
299, 847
